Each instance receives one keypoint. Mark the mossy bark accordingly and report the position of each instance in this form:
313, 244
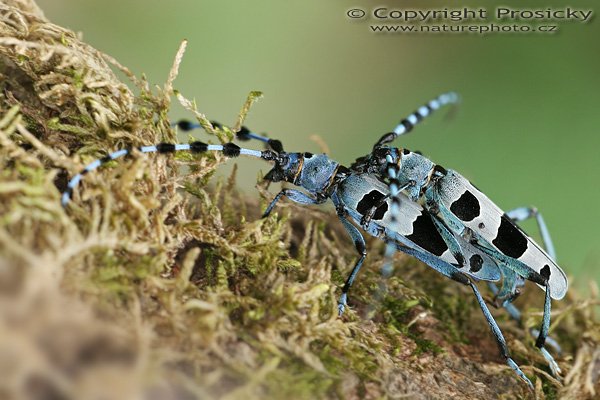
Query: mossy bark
151, 285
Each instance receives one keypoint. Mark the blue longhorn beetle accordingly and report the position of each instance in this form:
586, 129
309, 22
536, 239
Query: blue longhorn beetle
384, 196
458, 208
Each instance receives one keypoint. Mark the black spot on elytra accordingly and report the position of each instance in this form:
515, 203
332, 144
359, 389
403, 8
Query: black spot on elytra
510, 240
369, 201
466, 207
476, 262
380, 212
427, 236
545, 272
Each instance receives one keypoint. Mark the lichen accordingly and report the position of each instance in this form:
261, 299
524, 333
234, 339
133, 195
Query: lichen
162, 281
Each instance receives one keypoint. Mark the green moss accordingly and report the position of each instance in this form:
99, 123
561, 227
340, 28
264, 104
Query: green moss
550, 391
293, 380
55, 124
425, 345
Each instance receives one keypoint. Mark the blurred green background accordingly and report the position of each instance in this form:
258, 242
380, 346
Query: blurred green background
526, 131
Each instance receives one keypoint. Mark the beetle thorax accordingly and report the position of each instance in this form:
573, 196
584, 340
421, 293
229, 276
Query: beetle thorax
317, 172
414, 168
